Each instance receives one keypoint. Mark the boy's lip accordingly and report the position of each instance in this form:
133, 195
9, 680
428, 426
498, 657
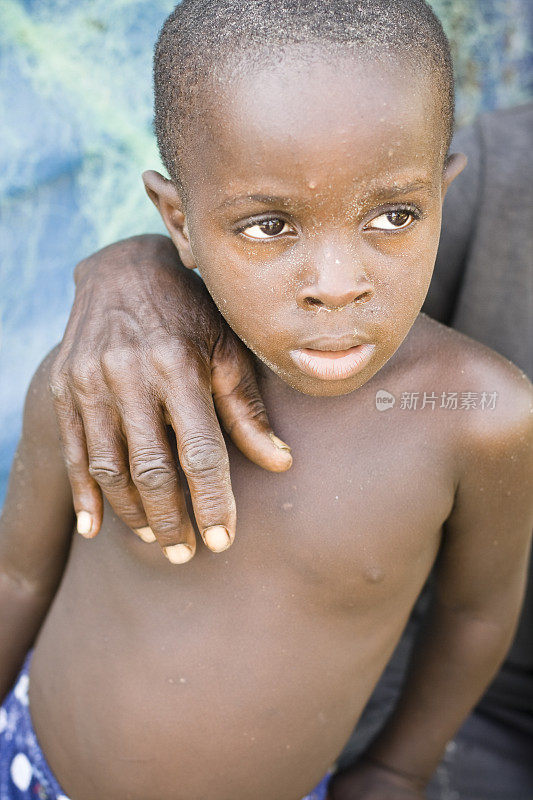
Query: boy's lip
332, 364
334, 343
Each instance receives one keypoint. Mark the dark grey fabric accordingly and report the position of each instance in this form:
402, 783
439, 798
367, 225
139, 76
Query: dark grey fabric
483, 279
488, 760
482, 286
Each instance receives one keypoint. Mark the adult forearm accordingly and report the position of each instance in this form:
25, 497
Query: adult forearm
133, 255
455, 658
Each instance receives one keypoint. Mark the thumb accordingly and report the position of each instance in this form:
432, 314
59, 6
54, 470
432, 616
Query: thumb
240, 406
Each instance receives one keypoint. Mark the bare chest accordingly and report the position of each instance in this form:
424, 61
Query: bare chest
360, 511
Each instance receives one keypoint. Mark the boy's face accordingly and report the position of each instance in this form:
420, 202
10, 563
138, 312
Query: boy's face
313, 212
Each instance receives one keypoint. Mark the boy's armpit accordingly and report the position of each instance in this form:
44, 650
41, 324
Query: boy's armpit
483, 562
37, 519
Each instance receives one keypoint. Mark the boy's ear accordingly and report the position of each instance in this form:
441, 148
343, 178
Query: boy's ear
453, 166
167, 200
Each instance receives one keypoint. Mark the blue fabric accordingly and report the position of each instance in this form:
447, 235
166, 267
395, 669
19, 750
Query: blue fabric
321, 791
24, 771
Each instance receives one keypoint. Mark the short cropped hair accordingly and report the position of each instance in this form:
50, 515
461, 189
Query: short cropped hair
201, 38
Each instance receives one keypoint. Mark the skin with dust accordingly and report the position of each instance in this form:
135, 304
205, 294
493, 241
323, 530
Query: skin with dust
313, 214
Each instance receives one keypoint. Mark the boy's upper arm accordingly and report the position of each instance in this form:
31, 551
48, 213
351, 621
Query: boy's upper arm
482, 566
37, 520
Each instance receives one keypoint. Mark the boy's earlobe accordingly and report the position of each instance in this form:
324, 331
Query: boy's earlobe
453, 166
167, 200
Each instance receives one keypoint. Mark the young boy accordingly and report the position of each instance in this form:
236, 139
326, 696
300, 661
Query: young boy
307, 148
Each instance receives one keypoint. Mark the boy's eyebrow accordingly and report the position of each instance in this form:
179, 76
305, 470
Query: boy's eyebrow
377, 192
395, 189
256, 198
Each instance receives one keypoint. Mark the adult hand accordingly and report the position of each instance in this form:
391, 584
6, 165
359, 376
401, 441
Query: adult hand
368, 780
146, 345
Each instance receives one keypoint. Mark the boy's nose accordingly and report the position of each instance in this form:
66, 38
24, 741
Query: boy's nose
338, 284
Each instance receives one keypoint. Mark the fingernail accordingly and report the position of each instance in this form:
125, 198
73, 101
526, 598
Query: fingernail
146, 534
178, 553
217, 538
279, 444
84, 523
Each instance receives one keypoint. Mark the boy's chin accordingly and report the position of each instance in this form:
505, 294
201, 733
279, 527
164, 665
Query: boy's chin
319, 388
314, 387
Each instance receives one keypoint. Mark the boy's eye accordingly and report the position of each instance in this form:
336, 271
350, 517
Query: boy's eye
392, 220
268, 229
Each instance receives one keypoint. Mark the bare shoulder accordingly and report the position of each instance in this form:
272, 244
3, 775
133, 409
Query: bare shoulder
494, 394
39, 455
37, 517
40, 424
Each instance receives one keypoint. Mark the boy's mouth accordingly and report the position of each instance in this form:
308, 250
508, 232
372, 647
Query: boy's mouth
332, 365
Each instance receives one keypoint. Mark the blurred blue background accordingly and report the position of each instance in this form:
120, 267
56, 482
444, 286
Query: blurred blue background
75, 135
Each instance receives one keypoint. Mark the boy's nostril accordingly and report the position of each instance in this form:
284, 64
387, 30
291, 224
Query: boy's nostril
313, 301
364, 297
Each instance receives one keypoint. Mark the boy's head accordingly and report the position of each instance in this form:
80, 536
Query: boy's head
306, 142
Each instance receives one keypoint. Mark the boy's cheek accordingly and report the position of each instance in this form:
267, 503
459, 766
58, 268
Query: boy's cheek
258, 297
239, 283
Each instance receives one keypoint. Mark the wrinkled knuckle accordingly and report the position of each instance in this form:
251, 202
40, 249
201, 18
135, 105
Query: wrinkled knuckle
168, 360
247, 386
152, 474
119, 361
108, 475
201, 455
84, 375
255, 409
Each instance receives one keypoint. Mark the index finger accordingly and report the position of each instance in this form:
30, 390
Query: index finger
86, 494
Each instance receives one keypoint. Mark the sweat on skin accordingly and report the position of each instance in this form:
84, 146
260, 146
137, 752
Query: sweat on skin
312, 211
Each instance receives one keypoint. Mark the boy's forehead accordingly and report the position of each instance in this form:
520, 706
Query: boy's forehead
368, 117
